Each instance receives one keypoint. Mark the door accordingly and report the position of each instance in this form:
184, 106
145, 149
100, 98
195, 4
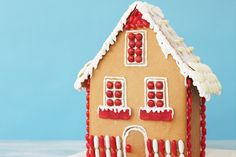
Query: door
134, 142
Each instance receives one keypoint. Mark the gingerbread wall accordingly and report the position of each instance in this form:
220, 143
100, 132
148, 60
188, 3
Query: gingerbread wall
113, 65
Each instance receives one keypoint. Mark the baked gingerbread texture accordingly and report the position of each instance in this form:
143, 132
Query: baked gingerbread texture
146, 91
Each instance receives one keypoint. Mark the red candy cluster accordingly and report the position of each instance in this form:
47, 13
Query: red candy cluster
114, 93
87, 137
203, 127
135, 50
155, 94
113, 146
189, 112
135, 21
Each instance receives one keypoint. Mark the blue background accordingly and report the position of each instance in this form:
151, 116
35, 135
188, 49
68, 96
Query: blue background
44, 44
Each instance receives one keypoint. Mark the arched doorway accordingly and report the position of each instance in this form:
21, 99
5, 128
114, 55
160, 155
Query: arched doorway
136, 137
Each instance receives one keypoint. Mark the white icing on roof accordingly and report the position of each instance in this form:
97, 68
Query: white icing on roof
203, 77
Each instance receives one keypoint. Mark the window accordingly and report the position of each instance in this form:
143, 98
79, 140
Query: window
135, 48
156, 105
155, 95
114, 99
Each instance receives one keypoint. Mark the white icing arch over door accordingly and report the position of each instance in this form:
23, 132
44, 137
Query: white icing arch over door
126, 132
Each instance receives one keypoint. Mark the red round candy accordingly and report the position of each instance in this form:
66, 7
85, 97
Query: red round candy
131, 59
118, 94
151, 103
203, 123
139, 36
139, 52
131, 18
145, 23
139, 24
159, 85
132, 26
159, 95
109, 84
127, 26
109, 102
140, 15
131, 44
160, 103
138, 44
131, 51
150, 85
118, 102
135, 12
109, 94
138, 59
131, 36
203, 108
128, 148
118, 85
151, 95
135, 20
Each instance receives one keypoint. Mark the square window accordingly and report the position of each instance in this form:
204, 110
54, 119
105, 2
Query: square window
135, 48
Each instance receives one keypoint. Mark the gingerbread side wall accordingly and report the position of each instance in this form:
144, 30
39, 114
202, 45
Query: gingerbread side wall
157, 66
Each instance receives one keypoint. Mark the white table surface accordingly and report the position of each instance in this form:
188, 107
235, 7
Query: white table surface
76, 149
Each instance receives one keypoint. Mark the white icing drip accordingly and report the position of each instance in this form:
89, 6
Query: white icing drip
203, 78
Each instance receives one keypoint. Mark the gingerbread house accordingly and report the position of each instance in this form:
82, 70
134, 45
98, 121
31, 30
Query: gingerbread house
146, 91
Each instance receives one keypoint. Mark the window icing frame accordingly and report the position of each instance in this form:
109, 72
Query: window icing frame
123, 89
165, 98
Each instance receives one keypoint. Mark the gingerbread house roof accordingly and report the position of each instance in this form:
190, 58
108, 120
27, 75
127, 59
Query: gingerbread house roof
171, 44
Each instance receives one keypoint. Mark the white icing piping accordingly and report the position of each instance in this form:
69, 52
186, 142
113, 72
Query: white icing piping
170, 43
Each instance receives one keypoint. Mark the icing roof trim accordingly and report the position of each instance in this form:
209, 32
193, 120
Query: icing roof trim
189, 64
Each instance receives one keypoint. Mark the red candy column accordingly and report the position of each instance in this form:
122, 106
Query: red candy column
161, 145
203, 127
102, 147
150, 148
189, 112
88, 138
174, 148
113, 146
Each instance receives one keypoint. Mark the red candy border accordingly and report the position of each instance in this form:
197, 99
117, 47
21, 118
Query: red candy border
88, 138
203, 127
189, 113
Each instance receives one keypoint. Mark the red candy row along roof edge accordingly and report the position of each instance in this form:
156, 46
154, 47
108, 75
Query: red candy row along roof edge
135, 21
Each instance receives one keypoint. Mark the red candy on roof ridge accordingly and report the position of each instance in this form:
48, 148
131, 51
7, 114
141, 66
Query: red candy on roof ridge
135, 21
